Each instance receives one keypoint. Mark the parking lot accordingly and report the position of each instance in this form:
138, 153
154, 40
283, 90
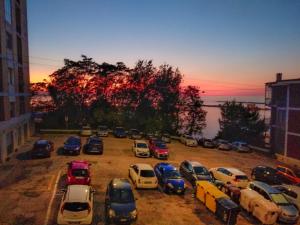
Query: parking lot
30, 189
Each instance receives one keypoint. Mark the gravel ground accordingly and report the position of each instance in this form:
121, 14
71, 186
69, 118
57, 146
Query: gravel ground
26, 185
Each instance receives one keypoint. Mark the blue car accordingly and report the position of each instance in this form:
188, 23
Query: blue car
72, 145
120, 132
169, 178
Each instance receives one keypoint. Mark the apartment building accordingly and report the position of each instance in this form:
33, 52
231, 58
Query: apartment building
15, 126
283, 96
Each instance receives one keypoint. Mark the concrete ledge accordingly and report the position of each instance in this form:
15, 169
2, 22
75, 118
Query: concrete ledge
265, 150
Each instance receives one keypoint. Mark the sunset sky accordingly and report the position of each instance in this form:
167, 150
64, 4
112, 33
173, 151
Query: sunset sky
225, 47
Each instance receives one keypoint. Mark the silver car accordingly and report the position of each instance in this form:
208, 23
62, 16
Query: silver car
240, 146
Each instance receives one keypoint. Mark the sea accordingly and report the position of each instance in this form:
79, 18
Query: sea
213, 113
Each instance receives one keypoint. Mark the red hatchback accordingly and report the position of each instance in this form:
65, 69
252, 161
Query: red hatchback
159, 149
287, 175
78, 173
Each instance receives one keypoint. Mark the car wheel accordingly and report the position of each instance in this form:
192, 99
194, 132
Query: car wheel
166, 189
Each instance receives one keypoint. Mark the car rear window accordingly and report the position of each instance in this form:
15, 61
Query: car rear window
80, 172
95, 142
121, 195
160, 145
241, 177
141, 145
201, 170
76, 206
147, 173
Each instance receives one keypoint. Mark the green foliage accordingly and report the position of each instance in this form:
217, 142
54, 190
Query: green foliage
239, 122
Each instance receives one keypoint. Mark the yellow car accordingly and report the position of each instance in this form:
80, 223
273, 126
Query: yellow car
76, 206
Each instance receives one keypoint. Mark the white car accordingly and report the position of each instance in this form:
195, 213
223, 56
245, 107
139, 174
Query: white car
188, 140
86, 131
230, 176
143, 176
76, 206
140, 149
291, 192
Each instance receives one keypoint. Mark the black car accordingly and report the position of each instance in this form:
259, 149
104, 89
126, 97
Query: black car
42, 148
120, 204
72, 145
194, 171
120, 132
266, 174
94, 145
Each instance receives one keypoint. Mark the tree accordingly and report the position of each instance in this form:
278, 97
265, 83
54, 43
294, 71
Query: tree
192, 116
239, 122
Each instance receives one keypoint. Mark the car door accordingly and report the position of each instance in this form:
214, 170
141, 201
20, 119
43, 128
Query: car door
219, 174
134, 171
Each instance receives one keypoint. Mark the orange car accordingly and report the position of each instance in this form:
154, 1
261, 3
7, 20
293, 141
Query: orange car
287, 175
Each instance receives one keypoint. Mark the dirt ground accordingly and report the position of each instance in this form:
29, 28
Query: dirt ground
27, 185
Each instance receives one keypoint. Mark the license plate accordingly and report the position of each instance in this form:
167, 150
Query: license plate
74, 222
94, 149
123, 220
147, 182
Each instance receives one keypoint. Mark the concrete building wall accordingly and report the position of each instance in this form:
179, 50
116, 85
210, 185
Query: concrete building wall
14, 77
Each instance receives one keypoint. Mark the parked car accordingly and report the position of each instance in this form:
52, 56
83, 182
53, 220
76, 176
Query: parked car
289, 213
165, 137
102, 131
140, 148
120, 132
142, 176
78, 173
94, 145
72, 145
86, 131
230, 176
194, 171
291, 192
120, 206
42, 148
188, 140
134, 134
149, 135
206, 143
76, 206
287, 175
158, 149
222, 144
266, 174
240, 146
169, 178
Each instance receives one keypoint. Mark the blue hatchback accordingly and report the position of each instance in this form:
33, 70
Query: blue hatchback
72, 145
169, 178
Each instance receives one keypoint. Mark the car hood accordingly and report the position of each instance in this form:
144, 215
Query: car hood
123, 208
289, 210
176, 182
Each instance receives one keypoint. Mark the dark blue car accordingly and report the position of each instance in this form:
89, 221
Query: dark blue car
72, 145
120, 132
169, 178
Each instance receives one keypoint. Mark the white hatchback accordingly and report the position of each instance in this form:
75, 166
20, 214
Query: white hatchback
188, 140
76, 206
143, 176
140, 148
230, 176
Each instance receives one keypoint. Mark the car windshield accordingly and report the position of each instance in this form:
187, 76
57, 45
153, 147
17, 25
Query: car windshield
141, 145
201, 170
147, 173
241, 177
121, 195
76, 206
102, 128
223, 142
244, 145
73, 141
173, 174
189, 137
279, 199
80, 172
86, 128
120, 130
135, 132
95, 142
160, 145
40, 145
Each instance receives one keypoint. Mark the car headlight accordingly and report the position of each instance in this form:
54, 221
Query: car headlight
111, 213
77, 148
133, 214
170, 185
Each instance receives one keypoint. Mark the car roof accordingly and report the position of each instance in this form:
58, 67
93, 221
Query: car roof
234, 171
77, 193
120, 183
144, 166
140, 141
42, 142
194, 163
266, 187
79, 164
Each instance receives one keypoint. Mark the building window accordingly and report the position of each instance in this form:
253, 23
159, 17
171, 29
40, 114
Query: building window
11, 77
9, 41
18, 19
10, 142
7, 5
19, 135
25, 131
20, 52
22, 105
12, 110
21, 80
2, 117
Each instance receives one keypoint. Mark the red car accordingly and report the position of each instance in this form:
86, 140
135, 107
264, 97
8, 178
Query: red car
287, 175
159, 149
78, 173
